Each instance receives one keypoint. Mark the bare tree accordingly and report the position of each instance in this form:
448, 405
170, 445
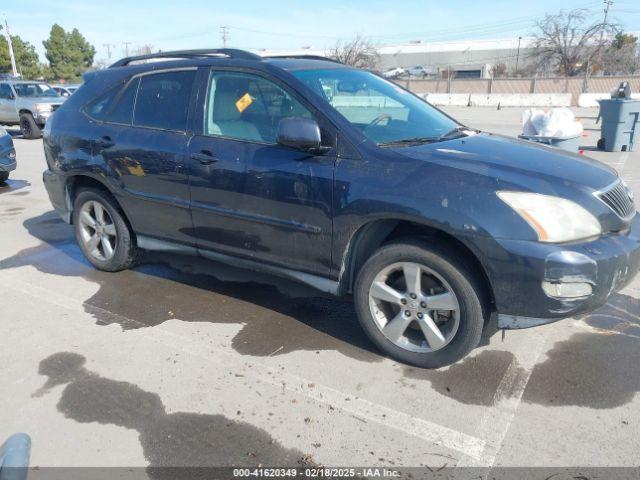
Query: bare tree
143, 49
499, 70
567, 43
359, 53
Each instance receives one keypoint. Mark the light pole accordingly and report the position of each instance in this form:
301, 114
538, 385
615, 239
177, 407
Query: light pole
518, 55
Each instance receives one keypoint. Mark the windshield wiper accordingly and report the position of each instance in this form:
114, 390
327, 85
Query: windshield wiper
409, 141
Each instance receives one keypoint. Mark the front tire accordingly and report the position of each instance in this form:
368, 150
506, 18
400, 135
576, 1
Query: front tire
102, 231
419, 304
4, 176
28, 127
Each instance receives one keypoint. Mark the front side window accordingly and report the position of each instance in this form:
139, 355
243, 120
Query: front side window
34, 90
248, 107
384, 112
163, 100
5, 91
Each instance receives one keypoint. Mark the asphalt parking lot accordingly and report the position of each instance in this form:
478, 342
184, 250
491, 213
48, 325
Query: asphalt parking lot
186, 362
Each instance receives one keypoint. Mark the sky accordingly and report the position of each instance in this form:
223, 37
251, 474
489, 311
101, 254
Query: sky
288, 24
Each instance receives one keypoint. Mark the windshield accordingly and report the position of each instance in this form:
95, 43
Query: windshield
34, 90
384, 112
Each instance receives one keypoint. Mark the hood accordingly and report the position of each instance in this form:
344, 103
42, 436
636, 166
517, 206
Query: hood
513, 160
52, 100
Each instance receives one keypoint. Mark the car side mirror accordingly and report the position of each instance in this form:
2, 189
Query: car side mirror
299, 133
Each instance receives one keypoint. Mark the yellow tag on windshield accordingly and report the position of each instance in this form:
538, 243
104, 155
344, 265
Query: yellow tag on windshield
243, 102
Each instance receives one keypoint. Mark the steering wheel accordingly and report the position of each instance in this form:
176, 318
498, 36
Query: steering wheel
378, 119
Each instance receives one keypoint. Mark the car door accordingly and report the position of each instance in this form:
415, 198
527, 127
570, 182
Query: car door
249, 195
144, 140
8, 112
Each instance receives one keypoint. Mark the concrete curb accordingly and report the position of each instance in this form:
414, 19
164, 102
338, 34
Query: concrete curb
520, 100
456, 99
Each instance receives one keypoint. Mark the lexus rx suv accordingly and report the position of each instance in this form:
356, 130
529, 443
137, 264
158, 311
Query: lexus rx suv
338, 178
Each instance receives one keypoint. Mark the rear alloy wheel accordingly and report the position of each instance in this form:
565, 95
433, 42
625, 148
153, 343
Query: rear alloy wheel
97, 231
28, 127
419, 305
102, 232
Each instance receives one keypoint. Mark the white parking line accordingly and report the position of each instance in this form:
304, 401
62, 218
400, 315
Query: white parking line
470, 446
497, 418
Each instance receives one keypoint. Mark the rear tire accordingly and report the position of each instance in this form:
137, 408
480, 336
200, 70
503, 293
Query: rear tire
102, 232
29, 128
421, 335
4, 176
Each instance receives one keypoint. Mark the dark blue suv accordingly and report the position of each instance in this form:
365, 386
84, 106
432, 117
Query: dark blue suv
333, 176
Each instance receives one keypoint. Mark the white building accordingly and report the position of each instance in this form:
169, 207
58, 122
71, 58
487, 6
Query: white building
467, 58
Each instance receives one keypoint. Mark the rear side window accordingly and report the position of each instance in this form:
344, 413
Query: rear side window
163, 100
122, 110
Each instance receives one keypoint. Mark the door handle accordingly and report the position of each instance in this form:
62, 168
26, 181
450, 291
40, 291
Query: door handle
105, 142
205, 157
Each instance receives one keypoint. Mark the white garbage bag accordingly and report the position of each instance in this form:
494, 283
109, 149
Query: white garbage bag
558, 122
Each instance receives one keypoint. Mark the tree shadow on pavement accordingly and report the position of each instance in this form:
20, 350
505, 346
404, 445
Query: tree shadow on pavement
179, 439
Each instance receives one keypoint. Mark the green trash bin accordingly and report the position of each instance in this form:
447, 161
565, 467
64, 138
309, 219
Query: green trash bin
620, 124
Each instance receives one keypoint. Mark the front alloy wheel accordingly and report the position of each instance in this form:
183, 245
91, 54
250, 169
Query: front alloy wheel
420, 302
414, 307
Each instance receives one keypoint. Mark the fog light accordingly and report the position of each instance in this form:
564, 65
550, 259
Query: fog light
567, 290
12, 155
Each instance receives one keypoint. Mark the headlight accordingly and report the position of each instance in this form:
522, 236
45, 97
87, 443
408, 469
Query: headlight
554, 219
43, 107
3, 132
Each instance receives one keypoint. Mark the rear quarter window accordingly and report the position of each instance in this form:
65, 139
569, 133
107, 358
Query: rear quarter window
99, 107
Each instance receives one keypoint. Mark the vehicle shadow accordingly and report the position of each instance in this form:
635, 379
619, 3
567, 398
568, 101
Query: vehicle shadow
11, 186
277, 316
177, 439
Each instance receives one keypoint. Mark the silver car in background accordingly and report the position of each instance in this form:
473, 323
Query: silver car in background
28, 104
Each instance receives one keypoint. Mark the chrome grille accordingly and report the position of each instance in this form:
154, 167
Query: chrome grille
619, 199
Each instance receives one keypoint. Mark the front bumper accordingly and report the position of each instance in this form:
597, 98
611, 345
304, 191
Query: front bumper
7, 154
517, 270
42, 117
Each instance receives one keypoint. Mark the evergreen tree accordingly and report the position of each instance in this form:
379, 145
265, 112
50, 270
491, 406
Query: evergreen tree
69, 54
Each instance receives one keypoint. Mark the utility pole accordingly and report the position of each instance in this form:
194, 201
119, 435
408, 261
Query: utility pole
224, 33
13, 58
607, 4
108, 46
518, 55
126, 48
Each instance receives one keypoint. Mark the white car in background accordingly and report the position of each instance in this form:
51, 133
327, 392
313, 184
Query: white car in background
66, 90
418, 71
394, 72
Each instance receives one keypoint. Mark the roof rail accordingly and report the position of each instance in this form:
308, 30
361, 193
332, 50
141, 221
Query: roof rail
202, 53
306, 57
